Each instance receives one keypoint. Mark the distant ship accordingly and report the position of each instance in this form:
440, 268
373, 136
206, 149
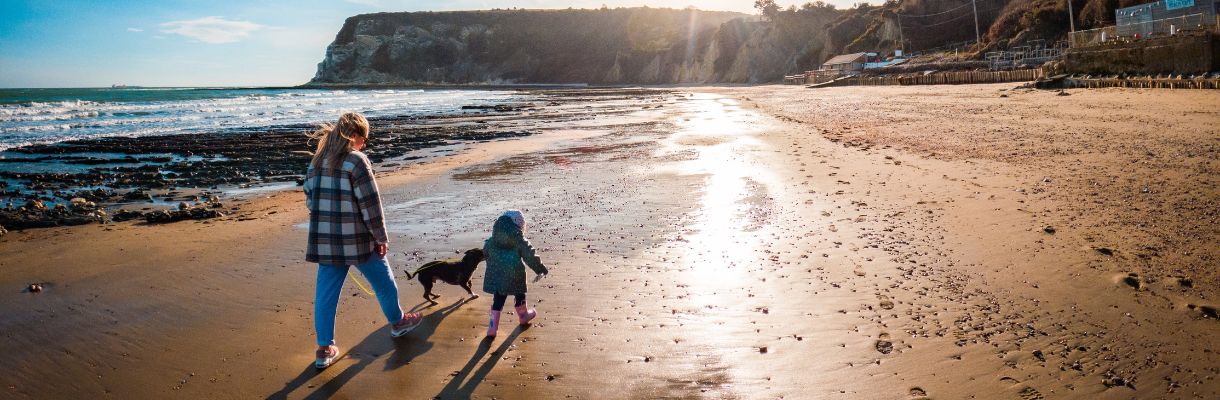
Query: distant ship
118, 86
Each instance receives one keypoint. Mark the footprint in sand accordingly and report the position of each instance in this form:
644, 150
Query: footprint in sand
886, 303
918, 392
883, 345
1133, 280
1029, 393
1207, 311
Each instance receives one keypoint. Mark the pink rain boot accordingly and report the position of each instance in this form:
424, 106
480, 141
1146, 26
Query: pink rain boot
493, 324
525, 314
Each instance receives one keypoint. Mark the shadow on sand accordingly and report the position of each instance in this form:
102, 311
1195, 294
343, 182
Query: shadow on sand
378, 343
456, 389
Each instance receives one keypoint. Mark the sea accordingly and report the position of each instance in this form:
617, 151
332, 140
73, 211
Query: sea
40, 116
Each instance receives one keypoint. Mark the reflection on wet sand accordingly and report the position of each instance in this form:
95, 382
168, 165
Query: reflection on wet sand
735, 191
679, 192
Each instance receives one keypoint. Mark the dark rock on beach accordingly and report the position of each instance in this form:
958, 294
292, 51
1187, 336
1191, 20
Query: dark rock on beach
35, 214
137, 195
126, 215
193, 213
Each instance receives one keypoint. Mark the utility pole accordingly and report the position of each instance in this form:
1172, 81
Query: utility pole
1071, 19
977, 42
1071, 23
902, 43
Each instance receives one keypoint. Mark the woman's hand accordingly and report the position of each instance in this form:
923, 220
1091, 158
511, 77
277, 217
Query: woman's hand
381, 249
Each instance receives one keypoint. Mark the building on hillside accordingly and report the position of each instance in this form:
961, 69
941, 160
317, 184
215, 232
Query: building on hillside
845, 63
840, 65
1164, 17
849, 64
1150, 20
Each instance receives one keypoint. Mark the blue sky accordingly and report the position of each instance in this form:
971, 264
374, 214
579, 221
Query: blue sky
72, 43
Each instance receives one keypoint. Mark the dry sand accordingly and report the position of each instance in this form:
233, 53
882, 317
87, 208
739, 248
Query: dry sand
762, 242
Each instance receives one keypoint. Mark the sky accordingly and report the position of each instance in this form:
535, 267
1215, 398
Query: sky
74, 43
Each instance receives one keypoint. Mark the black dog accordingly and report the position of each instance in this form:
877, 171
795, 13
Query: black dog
452, 271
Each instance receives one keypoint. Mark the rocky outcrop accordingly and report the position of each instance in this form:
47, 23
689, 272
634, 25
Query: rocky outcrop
606, 46
661, 46
36, 214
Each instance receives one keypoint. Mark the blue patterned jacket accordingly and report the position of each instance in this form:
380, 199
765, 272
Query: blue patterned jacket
508, 252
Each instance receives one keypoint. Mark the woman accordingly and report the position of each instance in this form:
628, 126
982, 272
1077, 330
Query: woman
346, 228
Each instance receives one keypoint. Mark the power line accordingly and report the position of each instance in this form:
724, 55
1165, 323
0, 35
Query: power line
954, 19
933, 14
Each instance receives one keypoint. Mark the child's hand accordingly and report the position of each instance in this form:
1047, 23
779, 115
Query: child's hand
539, 277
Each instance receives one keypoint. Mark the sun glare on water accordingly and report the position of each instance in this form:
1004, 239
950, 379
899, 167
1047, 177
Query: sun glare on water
735, 193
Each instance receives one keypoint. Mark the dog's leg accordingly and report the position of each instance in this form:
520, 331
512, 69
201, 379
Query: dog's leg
427, 289
434, 295
466, 285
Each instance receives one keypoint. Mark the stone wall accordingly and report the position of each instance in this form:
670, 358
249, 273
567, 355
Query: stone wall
1187, 53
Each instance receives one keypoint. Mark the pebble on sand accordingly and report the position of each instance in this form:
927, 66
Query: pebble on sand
34, 287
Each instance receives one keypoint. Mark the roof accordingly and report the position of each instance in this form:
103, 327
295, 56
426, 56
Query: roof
844, 58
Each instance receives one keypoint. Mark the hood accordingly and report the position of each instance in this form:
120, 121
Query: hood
505, 233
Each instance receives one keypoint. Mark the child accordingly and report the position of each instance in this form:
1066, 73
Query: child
506, 250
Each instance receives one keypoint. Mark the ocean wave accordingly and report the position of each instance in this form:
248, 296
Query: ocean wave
52, 121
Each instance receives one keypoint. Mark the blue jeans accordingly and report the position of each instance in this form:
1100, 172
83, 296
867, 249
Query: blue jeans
330, 283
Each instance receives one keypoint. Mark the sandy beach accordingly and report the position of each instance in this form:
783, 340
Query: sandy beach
947, 242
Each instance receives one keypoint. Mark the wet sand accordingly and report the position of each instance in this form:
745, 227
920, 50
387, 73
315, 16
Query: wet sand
760, 242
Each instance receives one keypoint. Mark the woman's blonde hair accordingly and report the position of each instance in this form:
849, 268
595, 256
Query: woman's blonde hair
335, 141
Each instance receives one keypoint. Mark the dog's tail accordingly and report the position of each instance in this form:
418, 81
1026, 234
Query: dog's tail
413, 274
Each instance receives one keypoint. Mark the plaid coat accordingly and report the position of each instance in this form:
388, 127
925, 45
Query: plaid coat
345, 214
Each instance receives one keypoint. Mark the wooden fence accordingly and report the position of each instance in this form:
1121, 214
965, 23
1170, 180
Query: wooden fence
1149, 83
949, 78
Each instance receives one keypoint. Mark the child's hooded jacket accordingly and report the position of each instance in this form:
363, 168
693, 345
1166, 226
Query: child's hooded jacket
508, 252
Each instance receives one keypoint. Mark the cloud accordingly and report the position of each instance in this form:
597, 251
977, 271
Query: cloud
135, 30
212, 29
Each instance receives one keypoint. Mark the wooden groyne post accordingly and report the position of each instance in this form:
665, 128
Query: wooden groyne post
1145, 83
950, 78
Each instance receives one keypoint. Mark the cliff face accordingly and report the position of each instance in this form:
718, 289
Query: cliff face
608, 46
660, 46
